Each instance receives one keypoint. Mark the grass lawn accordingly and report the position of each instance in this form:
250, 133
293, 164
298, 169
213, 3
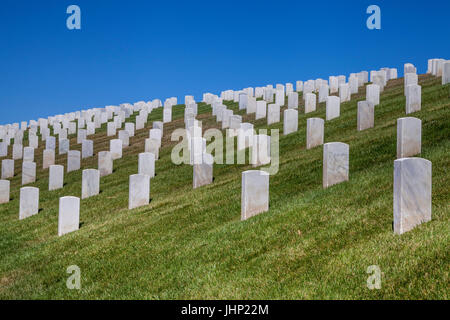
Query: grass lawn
313, 243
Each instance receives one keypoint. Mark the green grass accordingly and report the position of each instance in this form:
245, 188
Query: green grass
313, 243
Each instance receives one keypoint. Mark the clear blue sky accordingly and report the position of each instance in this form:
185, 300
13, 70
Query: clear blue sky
136, 50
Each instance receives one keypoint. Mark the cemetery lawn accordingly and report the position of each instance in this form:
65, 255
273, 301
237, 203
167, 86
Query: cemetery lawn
190, 244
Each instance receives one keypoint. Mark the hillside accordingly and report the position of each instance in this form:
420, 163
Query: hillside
313, 243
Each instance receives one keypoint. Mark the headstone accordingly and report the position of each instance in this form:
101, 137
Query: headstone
333, 107
446, 73
409, 137
4, 191
243, 101
167, 115
48, 158
314, 132
81, 135
146, 164
50, 143
29, 202
203, 172
90, 184
412, 193
410, 78
273, 113
323, 93
344, 92
69, 215
159, 125
115, 147
373, 94
64, 146
254, 193
111, 129
261, 109
87, 149
365, 115
105, 163
152, 146
156, 134
413, 98
56, 177
3, 149
245, 136
28, 172
73, 160
260, 152
139, 191
129, 127
310, 102
335, 163
125, 138
17, 151
7, 169
28, 154
293, 100
290, 121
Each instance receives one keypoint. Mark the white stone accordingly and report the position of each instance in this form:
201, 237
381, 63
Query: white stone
290, 121
410, 78
323, 93
3, 149
81, 135
87, 149
333, 107
69, 215
344, 92
7, 169
105, 163
115, 147
310, 102
48, 158
261, 109
28, 154
146, 164
111, 129
139, 191
335, 163
273, 113
17, 152
203, 172
413, 98
446, 73
4, 191
64, 146
90, 184
314, 132
56, 177
50, 143
29, 202
293, 100
245, 136
152, 146
412, 193
373, 94
125, 138
254, 193
28, 172
409, 137
73, 160
129, 127
260, 151
365, 117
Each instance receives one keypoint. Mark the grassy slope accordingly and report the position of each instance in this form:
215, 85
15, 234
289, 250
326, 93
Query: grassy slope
313, 243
